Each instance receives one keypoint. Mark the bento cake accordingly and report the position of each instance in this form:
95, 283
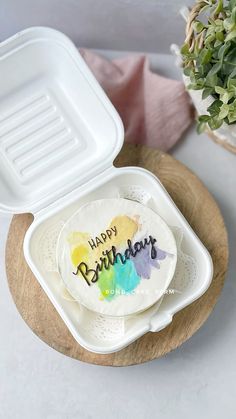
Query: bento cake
116, 256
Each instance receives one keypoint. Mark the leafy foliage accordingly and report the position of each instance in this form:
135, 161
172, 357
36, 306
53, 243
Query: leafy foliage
209, 60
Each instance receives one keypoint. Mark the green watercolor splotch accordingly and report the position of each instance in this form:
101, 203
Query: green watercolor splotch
119, 277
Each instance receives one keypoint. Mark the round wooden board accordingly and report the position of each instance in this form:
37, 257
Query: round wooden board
204, 216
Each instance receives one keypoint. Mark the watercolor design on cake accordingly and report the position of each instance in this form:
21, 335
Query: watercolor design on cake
116, 256
129, 267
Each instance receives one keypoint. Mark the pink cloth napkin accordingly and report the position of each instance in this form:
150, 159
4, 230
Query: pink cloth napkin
155, 110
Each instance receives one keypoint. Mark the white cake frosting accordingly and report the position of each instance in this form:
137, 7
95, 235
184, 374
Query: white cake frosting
116, 256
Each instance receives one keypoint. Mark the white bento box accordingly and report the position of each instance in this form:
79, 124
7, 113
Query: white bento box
59, 136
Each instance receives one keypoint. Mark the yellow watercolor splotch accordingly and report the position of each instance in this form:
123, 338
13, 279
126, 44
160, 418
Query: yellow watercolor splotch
79, 254
126, 229
79, 248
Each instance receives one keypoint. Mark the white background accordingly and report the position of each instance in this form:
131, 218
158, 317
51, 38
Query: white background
196, 380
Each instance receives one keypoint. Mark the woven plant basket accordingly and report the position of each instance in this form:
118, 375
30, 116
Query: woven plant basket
226, 134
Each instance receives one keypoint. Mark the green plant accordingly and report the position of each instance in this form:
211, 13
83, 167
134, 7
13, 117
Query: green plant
209, 59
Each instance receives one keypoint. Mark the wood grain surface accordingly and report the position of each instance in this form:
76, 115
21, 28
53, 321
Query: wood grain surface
204, 216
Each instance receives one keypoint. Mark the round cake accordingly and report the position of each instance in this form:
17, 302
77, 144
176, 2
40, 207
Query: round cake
116, 257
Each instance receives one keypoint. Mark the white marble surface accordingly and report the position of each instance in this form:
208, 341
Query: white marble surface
196, 380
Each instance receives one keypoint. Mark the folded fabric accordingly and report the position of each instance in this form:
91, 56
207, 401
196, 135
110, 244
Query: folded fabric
155, 110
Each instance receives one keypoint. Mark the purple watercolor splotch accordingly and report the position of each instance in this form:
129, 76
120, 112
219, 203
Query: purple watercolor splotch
144, 263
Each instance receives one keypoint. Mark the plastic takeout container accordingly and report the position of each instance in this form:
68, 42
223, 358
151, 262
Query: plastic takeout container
59, 136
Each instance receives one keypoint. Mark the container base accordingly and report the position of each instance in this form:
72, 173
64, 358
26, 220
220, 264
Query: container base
42, 317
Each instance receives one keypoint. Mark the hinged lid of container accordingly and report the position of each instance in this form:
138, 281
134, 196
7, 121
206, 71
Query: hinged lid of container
58, 129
